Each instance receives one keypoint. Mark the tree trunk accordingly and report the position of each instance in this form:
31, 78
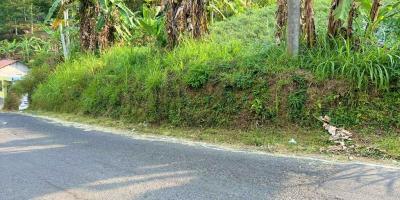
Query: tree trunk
107, 34
66, 23
281, 20
31, 18
293, 29
64, 35
63, 43
198, 18
88, 13
185, 16
308, 23
374, 13
334, 25
350, 19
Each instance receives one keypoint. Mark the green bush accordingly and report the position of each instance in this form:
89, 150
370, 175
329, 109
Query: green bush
64, 87
12, 101
197, 76
36, 76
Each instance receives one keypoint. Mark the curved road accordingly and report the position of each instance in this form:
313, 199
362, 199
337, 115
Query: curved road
40, 159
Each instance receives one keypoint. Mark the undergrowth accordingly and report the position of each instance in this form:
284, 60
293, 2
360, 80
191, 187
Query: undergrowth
370, 65
232, 78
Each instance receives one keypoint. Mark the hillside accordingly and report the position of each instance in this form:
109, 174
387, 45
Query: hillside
235, 78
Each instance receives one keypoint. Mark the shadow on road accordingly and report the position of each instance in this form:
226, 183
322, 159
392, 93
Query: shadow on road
361, 178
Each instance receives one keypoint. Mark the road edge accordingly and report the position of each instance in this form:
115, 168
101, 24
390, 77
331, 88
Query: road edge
133, 134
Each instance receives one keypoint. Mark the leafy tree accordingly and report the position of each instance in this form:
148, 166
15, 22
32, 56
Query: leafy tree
19, 17
343, 12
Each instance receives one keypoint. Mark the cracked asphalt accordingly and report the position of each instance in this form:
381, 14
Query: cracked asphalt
41, 159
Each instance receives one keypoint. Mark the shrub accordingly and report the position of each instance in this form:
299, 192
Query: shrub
63, 89
12, 101
36, 76
197, 76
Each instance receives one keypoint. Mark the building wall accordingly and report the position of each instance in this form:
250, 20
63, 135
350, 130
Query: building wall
4, 84
15, 70
8, 74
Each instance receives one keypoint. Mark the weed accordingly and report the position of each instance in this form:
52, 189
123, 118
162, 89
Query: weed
297, 99
197, 76
371, 65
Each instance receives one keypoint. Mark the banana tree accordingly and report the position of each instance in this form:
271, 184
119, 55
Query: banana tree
100, 21
185, 16
23, 49
29, 46
281, 20
87, 12
115, 19
152, 23
373, 12
380, 12
8, 48
225, 8
308, 22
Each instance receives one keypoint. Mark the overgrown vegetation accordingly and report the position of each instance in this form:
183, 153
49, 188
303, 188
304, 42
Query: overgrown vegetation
227, 79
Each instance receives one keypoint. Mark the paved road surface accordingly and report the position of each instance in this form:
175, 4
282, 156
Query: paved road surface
42, 160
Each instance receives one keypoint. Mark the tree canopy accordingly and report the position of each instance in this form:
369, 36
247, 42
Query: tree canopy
18, 17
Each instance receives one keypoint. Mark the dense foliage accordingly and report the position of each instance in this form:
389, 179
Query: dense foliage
21, 17
231, 78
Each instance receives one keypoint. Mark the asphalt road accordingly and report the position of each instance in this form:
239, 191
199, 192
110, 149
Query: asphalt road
43, 160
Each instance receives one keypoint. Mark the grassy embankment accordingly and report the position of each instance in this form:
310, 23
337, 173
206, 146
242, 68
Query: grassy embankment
237, 87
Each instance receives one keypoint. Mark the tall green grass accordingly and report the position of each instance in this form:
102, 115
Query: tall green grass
233, 76
64, 87
368, 66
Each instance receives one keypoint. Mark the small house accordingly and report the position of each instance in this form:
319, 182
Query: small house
10, 71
